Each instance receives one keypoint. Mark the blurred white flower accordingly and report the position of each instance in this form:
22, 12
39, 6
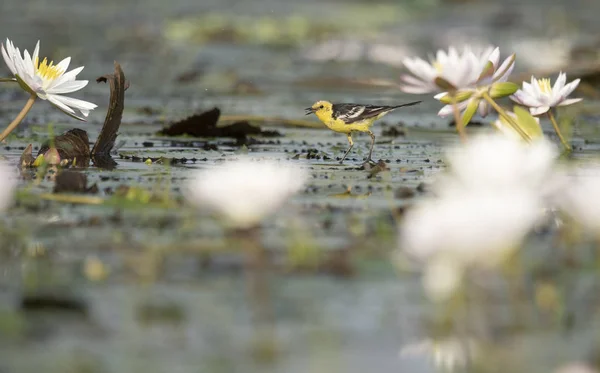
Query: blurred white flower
484, 205
498, 163
8, 182
46, 80
447, 354
469, 228
246, 191
540, 96
461, 69
579, 197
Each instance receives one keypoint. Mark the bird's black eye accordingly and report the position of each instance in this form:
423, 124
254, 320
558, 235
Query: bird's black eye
321, 107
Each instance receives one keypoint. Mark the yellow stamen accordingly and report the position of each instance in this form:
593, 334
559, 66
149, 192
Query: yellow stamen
47, 70
544, 85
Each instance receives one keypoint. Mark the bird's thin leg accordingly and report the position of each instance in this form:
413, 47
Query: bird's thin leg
350, 148
372, 144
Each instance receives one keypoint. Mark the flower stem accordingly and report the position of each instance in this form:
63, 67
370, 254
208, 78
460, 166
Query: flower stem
19, 118
507, 117
557, 129
457, 118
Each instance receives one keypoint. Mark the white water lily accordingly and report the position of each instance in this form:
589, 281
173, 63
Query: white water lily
461, 69
8, 182
45, 80
540, 96
246, 191
484, 205
497, 163
491, 77
472, 228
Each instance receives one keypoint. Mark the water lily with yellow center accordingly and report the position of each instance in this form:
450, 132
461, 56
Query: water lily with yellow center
45, 80
540, 95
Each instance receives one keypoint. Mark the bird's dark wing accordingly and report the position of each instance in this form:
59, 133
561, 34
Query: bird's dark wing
347, 112
351, 113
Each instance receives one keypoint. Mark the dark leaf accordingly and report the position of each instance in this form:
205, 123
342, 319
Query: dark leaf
27, 157
112, 122
73, 182
73, 145
205, 125
53, 302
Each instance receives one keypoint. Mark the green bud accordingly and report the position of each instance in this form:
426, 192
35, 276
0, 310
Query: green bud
460, 96
503, 89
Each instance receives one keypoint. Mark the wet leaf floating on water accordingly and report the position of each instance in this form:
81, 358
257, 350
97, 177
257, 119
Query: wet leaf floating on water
118, 85
197, 125
53, 302
205, 125
27, 158
73, 182
70, 145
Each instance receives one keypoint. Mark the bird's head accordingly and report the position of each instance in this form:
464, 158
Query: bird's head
320, 108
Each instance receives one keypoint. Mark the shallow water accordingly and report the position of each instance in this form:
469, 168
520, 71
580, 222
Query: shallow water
177, 296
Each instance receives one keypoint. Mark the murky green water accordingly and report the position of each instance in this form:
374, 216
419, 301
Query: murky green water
176, 296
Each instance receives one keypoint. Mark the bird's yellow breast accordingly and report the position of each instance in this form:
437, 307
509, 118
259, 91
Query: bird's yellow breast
339, 125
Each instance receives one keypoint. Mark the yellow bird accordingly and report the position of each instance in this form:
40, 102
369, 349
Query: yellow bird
348, 118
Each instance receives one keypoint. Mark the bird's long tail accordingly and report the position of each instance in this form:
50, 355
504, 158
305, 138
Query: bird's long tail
408, 104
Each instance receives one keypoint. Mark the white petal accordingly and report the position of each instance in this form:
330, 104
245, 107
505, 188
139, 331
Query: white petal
503, 72
36, 53
416, 66
8, 61
64, 65
28, 64
59, 104
538, 110
83, 106
570, 101
68, 87
65, 78
445, 111
494, 57
449, 110
411, 80
524, 99
529, 90
560, 82
415, 90
569, 88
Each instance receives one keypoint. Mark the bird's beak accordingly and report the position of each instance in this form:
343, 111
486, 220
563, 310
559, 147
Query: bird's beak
309, 111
